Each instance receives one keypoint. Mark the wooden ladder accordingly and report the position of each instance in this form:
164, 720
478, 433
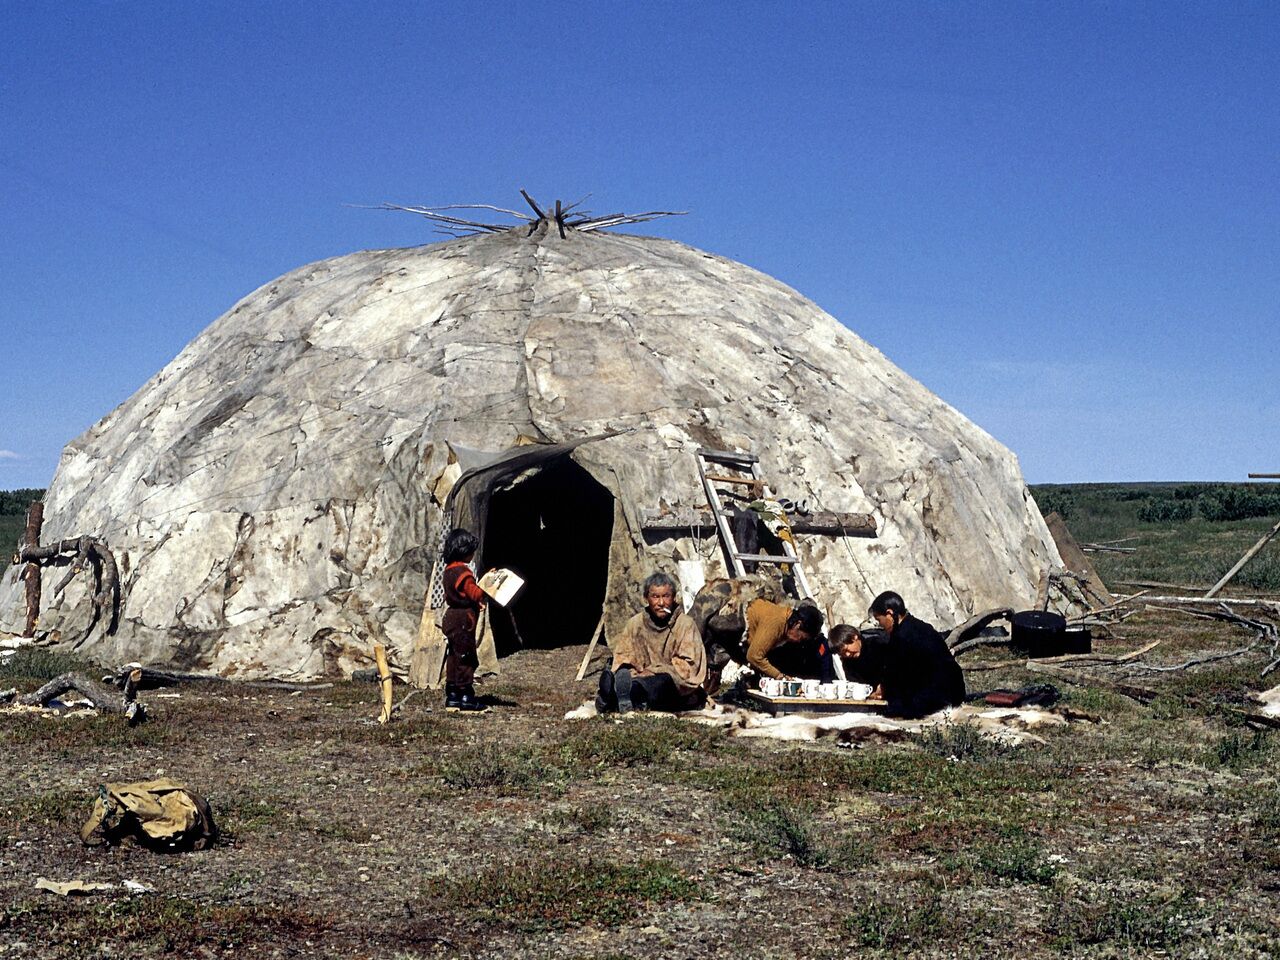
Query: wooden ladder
745, 469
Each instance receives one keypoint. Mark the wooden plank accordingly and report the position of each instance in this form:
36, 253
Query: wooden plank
1264, 476
31, 574
1249, 555
727, 456
766, 558
742, 481
586, 657
786, 705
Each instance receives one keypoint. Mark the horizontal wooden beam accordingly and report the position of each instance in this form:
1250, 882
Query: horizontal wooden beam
1264, 476
825, 523
742, 481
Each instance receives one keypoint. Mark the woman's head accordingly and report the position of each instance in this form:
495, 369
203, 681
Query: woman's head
460, 546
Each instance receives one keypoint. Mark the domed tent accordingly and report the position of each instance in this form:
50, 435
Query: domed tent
276, 495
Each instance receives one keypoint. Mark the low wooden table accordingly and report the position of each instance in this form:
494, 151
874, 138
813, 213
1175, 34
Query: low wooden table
778, 706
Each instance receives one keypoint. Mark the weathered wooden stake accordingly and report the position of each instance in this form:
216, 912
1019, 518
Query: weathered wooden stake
384, 681
31, 574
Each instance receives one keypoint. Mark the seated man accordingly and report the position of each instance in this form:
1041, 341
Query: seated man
771, 627
920, 675
862, 653
659, 662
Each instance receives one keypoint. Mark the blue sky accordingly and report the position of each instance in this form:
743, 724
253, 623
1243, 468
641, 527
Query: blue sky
1063, 218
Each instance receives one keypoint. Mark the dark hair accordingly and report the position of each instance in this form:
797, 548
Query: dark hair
842, 634
808, 618
889, 602
459, 545
657, 579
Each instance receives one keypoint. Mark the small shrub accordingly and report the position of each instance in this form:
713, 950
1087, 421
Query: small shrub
40, 664
589, 818
896, 923
775, 829
557, 895
637, 742
1161, 510
961, 741
246, 814
1017, 858
1052, 500
1266, 822
512, 770
1239, 750
68, 806
1126, 921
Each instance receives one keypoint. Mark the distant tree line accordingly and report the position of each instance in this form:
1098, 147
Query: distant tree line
1214, 502
14, 503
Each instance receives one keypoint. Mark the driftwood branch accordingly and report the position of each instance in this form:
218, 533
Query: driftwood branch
1134, 692
968, 630
103, 698
1194, 661
82, 553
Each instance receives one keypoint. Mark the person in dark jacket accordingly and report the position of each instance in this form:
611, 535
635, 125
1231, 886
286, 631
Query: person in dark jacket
463, 598
920, 675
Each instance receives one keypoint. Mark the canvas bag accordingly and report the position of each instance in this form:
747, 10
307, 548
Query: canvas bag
161, 814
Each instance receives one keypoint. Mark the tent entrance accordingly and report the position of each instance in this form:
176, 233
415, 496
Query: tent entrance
553, 527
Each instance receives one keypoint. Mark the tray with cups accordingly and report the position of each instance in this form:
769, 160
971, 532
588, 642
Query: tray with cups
810, 696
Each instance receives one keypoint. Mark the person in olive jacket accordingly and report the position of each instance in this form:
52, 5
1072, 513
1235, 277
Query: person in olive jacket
920, 676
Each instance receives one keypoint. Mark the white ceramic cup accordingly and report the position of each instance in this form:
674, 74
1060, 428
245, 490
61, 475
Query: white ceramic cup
828, 691
811, 689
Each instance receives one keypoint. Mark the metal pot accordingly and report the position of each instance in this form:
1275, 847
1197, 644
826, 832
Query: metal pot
1038, 633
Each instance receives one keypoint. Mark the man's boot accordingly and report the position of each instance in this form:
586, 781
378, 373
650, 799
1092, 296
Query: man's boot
622, 688
452, 699
469, 702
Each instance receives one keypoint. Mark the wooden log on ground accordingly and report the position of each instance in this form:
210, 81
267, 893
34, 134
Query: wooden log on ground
103, 698
31, 573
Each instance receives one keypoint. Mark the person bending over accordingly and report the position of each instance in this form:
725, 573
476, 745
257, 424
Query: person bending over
772, 628
861, 653
464, 598
659, 662
920, 675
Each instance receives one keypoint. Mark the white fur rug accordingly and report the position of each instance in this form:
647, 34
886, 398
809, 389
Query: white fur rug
1011, 725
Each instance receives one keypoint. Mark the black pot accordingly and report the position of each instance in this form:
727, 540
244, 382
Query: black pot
1038, 633
1077, 640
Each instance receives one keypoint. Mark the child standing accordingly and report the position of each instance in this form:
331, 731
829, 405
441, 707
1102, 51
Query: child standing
463, 597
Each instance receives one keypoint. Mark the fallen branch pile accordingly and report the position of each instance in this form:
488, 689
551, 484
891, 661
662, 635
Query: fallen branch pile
103, 698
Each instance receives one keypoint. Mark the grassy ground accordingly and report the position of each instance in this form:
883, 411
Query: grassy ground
1193, 551
519, 834
1154, 832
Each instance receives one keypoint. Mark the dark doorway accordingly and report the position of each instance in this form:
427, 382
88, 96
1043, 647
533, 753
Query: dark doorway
552, 527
